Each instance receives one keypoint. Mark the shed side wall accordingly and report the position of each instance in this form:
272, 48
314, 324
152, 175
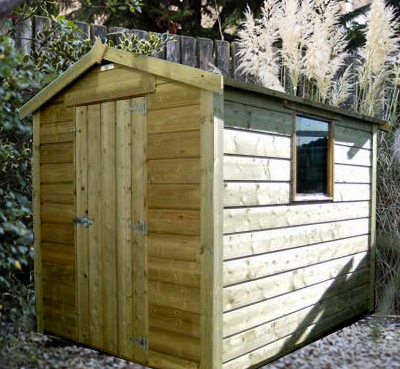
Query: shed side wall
292, 272
174, 192
57, 211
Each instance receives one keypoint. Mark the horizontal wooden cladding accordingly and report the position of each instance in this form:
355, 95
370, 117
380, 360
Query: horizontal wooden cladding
56, 153
185, 144
237, 142
57, 132
161, 360
175, 344
173, 94
60, 320
254, 291
178, 119
258, 218
243, 319
61, 193
256, 193
186, 170
178, 272
280, 336
58, 254
352, 137
174, 196
352, 192
240, 168
180, 222
57, 213
253, 243
58, 293
352, 156
57, 173
264, 119
185, 248
174, 320
58, 233
109, 85
174, 297
359, 125
55, 113
57, 272
254, 267
352, 174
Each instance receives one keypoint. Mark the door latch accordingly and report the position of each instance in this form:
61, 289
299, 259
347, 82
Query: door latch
83, 221
140, 226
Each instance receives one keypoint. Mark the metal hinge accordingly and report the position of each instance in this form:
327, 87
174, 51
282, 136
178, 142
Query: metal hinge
83, 221
140, 226
142, 342
142, 108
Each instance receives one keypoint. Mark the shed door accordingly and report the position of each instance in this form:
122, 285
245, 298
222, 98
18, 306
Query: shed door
110, 242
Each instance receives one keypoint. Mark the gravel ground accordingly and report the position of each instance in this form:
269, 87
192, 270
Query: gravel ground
371, 343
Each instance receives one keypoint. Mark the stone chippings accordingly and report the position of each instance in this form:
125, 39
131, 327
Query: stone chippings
372, 343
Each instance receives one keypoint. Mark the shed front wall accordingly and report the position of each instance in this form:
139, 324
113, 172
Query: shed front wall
292, 272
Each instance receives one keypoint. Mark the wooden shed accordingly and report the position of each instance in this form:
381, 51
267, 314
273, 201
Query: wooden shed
186, 220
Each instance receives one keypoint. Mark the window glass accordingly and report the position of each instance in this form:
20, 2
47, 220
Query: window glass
312, 141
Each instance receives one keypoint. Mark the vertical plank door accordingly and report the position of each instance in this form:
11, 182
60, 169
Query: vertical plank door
111, 227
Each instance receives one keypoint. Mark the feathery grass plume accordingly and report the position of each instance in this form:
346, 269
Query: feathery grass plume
374, 66
342, 88
259, 57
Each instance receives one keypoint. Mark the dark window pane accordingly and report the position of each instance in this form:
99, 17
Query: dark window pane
312, 155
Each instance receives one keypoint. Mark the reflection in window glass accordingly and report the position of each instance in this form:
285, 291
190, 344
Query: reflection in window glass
312, 156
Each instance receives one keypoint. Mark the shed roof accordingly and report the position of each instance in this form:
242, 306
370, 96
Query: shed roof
99, 52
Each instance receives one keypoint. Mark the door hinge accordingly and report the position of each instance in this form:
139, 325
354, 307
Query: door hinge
142, 342
83, 221
140, 226
142, 108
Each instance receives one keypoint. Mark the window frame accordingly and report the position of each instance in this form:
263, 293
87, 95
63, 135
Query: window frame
299, 197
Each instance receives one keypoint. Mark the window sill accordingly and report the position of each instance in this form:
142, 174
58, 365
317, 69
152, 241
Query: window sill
312, 197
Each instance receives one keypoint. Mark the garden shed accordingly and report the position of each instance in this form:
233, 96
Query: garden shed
187, 220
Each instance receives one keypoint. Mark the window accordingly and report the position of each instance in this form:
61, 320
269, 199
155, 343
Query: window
313, 166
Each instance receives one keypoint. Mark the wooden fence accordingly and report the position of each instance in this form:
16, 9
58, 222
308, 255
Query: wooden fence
202, 53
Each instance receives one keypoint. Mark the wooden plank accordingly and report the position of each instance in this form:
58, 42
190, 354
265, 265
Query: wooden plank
186, 170
173, 49
188, 47
239, 320
258, 218
57, 173
256, 193
253, 243
211, 218
372, 244
174, 320
180, 222
178, 119
352, 156
57, 213
58, 254
139, 249
124, 219
182, 273
307, 321
161, 360
184, 144
58, 233
266, 118
81, 233
59, 293
254, 291
102, 86
55, 113
171, 95
162, 68
94, 178
174, 196
61, 320
237, 142
37, 231
205, 48
57, 153
61, 193
223, 57
352, 174
185, 248
246, 269
57, 132
175, 344
57, 272
352, 137
240, 168
108, 226
358, 124
352, 192
174, 297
